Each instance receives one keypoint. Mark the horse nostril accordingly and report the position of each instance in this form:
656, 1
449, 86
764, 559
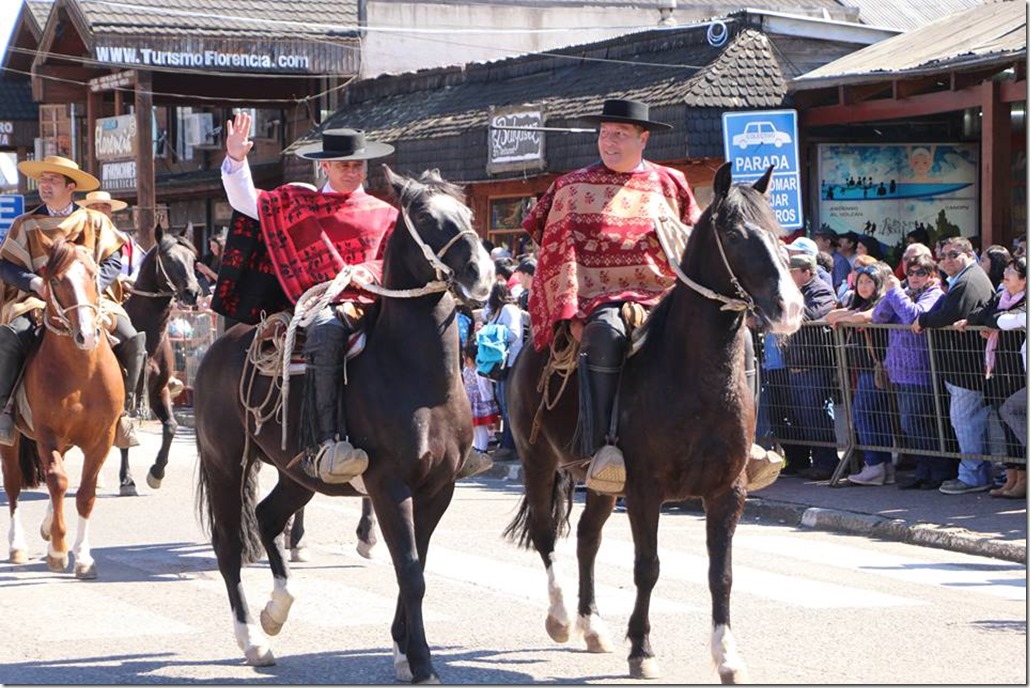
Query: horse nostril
80, 339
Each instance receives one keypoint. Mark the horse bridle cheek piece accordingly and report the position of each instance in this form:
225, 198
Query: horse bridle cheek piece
443, 272
63, 325
159, 271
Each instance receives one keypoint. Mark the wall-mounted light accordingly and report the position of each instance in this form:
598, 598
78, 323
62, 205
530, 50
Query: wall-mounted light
665, 10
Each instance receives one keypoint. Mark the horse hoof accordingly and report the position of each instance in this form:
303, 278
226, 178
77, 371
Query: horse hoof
259, 655
86, 571
18, 556
365, 549
299, 554
644, 667
401, 668
432, 680
128, 489
558, 631
155, 484
597, 644
269, 625
57, 564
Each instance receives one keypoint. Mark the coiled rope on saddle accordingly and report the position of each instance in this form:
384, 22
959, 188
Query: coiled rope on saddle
561, 361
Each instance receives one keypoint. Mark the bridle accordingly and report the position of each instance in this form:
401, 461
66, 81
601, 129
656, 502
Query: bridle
444, 274
57, 320
741, 301
160, 272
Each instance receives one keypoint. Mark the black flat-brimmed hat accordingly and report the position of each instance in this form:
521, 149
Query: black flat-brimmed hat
344, 144
628, 112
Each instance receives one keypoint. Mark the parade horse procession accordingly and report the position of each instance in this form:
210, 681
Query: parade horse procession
407, 408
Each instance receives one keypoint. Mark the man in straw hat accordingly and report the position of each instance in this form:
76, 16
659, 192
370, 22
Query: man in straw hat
598, 251
341, 214
132, 253
25, 251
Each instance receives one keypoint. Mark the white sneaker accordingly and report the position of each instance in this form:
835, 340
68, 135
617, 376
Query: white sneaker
870, 475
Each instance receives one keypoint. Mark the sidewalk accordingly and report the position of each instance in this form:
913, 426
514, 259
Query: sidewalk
973, 523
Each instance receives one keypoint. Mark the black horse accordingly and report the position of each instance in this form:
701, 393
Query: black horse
686, 422
406, 406
166, 274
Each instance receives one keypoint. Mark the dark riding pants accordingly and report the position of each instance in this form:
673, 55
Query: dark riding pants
324, 351
602, 351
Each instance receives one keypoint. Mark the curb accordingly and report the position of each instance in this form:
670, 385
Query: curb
840, 521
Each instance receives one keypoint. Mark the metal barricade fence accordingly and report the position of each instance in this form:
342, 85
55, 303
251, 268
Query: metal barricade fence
822, 395
191, 332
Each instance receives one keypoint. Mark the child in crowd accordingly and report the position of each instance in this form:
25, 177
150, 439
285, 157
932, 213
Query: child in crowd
480, 391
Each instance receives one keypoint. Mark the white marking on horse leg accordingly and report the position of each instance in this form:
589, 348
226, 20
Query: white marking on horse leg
728, 660
81, 548
16, 539
48, 522
254, 644
277, 610
401, 668
558, 622
595, 633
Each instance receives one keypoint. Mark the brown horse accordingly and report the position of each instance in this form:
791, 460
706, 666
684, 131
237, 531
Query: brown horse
686, 421
74, 396
165, 275
406, 406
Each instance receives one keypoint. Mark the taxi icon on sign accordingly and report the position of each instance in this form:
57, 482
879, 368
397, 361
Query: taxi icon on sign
759, 133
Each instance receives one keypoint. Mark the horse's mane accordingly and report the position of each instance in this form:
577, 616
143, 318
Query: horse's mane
63, 254
430, 182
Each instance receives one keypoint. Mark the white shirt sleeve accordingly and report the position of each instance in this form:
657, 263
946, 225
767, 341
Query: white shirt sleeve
239, 186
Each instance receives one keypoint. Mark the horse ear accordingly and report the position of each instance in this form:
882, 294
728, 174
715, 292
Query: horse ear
762, 185
723, 180
159, 232
396, 181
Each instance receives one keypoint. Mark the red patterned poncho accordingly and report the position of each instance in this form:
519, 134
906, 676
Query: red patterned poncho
595, 230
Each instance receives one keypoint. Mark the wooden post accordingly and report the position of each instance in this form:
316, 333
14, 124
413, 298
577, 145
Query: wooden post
996, 159
93, 106
146, 196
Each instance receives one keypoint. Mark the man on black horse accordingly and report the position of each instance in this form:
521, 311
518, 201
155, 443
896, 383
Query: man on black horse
25, 252
310, 236
599, 249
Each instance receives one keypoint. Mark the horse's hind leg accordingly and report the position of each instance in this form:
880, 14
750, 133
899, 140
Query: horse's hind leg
643, 519
588, 541
366, 530
721, 516
293, 533
285, 499
126, 483
545, 498
17, 545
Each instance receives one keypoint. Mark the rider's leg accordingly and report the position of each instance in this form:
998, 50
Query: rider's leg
763, 467
602, 351
335, 460
15, 340
131, 352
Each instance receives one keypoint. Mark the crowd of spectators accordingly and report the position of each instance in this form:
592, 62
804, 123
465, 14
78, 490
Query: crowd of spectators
899, 376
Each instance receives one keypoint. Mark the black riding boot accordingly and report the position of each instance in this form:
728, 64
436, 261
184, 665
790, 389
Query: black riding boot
132, 356
335, 460
600, 363
12, 357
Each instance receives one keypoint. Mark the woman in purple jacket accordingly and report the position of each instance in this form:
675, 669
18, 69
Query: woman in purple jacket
908, 366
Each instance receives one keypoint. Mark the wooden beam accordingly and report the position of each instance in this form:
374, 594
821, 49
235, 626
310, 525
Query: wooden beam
1013, 91
961, 80
995, 161
862, 92
145, 194
906, 88
94, 104
889, 108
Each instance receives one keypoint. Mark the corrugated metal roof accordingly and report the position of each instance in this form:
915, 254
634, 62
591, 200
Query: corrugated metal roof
905, 14
269, 19
990, 33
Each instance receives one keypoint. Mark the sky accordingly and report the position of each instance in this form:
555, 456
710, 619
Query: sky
8, 13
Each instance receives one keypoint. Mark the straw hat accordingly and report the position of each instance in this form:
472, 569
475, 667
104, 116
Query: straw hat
84, 181
97, 197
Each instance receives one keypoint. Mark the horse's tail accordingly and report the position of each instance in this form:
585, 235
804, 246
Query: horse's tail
32, 472
560, 508
207, 491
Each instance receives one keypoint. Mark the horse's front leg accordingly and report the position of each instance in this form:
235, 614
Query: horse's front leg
411, 658
161, 404
54, 528
85, 499
17, 545
285, 499
588, 541
722, 513
643, 511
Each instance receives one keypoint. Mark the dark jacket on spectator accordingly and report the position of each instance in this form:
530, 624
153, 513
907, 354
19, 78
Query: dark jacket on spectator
959, 355
812, 346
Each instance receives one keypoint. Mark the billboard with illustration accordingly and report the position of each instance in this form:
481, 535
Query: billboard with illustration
887, 190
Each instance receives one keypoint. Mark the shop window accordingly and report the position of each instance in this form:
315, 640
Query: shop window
506, 216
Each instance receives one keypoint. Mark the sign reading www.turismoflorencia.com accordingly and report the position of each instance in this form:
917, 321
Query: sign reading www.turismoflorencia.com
229, 55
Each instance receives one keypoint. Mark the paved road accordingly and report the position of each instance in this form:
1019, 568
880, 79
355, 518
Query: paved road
809, 607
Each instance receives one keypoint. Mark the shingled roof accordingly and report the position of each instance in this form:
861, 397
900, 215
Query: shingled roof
232, 18
667, 68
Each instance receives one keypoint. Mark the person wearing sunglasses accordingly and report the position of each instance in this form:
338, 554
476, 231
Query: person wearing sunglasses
908, 366
959, 356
